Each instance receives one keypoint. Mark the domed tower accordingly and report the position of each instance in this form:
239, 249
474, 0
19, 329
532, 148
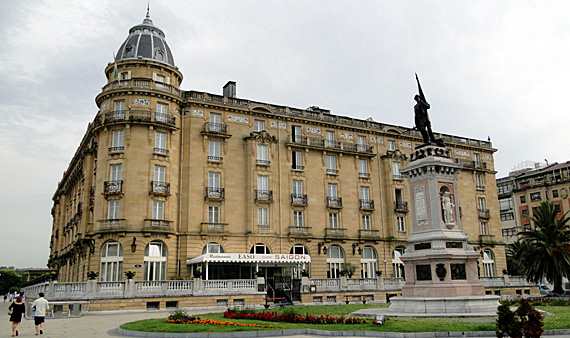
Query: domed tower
137, 159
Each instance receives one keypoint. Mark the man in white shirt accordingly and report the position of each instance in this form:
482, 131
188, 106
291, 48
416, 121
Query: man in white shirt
41, 308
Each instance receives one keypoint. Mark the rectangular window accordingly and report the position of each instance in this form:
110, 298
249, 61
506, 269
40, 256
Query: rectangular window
161, 112
160, 142
215, 122
484, 228
298, 218
258, 125
159, 174
329, 139
479, 181
296, 134
120, 107
331, 165
366, 222
262, 154
297, 187
118, 136
557, 208
125, 75
113, 209
214, 152
507, 216
214, 180
554, 193
157, 209
482, 204
391, 145
535, 196
396, 170
333, 220
523, 199
263, 182
506, 203
401, 223
365, 193
263, 216
361, 142
297, 158
332, 190
363, 168
213, 214
115, 172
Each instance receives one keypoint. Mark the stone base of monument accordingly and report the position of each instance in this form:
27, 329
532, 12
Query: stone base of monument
442, 306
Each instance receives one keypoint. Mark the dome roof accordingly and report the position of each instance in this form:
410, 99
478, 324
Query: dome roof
146, 41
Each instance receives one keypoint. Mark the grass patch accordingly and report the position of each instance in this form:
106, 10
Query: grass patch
560, 319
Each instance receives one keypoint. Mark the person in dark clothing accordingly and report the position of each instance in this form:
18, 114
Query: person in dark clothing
18, 309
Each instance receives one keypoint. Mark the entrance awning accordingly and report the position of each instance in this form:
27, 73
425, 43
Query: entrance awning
250, 258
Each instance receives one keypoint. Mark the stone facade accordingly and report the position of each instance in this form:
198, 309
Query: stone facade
161, 173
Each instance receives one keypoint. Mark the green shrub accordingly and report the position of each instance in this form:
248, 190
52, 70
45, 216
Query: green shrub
525, 319
559, 302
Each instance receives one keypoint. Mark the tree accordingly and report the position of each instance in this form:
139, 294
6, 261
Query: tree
9, 279
515, 253
548, 256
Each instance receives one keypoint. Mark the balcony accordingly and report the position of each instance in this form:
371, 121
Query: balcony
334, 202
214, 228
366, 204
216, 129
158, 188
332, 171
335, 233
330, 145
113, 187
116, 149
470, 164
142, 84
263, 162
364, 175
484, 213
300, 231
264, 195
215, 158
136, 116
161, 151
299, 200
298, 167
368, 234
215, 193
401, 206
487, 239
113, 224
159, 225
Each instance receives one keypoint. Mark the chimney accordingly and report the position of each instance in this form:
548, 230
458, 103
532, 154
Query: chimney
230, 89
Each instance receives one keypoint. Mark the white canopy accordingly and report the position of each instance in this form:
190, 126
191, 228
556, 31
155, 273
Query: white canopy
250, 258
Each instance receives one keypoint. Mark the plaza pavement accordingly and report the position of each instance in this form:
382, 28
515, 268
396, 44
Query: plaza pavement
107, 324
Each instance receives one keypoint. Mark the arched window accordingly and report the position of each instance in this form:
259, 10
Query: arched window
213, 247
299, 249
260, 248
488, 263
368, 262
155, 261
111, 262
335, 258
397, 264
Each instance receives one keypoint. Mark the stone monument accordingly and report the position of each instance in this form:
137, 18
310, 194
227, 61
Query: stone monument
440, 266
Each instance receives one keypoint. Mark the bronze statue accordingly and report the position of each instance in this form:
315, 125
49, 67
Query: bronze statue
422, 121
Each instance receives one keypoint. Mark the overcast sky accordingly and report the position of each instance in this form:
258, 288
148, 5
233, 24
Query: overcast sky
496, 69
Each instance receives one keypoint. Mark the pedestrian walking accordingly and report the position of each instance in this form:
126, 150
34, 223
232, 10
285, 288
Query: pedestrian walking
16, 310
41, 308
5, 297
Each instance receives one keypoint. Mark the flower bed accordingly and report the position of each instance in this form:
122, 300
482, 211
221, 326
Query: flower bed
213, 322
308, 319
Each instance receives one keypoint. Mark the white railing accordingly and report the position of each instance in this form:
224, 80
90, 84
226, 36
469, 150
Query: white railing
111, 288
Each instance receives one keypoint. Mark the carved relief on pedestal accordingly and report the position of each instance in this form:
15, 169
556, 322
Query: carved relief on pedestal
420, 203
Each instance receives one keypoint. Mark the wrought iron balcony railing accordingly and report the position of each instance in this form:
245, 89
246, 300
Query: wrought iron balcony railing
161, 151
216, 128
366, 204
298, 167
264, 195
160, 188
215, 193
113, 187
298, 199
332, 171
215, 158
263, 162
401, 206
334, 202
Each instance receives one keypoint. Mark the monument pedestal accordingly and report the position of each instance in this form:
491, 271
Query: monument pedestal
441, 267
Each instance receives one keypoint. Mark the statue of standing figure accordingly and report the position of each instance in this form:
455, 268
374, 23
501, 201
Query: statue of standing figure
421, 118
447, 207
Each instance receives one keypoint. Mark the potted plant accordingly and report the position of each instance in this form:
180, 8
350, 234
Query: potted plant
92, 275
348, 269
379, 273
198, 273
130, 274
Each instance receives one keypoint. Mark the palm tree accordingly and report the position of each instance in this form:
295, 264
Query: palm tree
515, 253
549, 254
